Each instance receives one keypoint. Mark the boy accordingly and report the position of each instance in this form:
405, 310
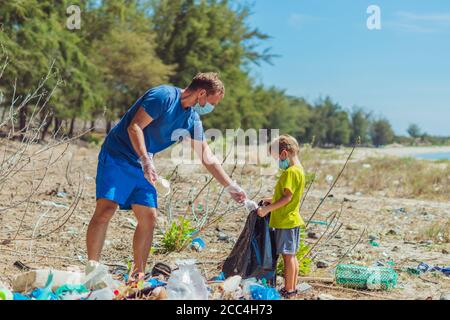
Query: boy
284, 208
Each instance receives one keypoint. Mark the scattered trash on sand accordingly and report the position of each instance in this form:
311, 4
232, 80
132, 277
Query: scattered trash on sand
187, 283
423, 268
198, 244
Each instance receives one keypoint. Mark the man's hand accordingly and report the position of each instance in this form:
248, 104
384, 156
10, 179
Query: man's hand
236, 192
148, 167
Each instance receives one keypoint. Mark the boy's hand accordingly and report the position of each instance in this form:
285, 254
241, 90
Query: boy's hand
262, 212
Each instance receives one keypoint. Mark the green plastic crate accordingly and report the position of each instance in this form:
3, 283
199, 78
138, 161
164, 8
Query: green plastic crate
359, 277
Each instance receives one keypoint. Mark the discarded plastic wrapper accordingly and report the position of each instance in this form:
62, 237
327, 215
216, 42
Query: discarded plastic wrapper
98, 277
38, 278
103, 294
198, 244
187, 283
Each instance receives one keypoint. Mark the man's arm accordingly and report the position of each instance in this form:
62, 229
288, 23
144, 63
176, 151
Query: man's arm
136, 134
136, 131
210, 162
215, 168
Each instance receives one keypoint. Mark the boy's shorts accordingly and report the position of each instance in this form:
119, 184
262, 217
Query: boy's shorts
119, 181
287, 241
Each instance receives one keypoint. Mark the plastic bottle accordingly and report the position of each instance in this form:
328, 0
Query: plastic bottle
162, 187
5, 294
27, 281
187, 283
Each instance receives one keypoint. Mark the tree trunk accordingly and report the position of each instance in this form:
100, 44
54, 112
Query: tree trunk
46, 127
108, 126
92, 125
72, 127
57, 128
22, 121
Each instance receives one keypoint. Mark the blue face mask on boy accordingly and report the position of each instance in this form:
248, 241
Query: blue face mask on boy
283, 164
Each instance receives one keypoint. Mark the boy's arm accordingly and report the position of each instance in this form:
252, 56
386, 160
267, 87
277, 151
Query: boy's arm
284, 200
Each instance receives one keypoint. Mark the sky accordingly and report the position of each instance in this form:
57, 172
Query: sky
401, 71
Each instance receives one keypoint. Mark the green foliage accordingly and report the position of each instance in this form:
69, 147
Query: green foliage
310, 177
360, 125
304, 263
125, 47
414, 131
382, 132
177, 235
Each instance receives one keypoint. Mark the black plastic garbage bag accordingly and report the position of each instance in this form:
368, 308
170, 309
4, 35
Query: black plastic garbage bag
254, 254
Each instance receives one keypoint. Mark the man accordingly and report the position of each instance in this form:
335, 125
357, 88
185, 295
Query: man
126, 172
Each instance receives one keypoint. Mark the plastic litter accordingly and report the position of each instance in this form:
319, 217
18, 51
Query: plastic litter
54, 204
71, 289
38, 279
21, 297
98, 277
61, 195
45, 293
259, 292
322, 223
303, 287
220, 277
5, 294
162, 187
232, 284
423, 267
360, 277
187, 283
102, 294
198, 244
373, 243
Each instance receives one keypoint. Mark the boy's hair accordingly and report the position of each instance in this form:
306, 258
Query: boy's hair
209, 81
286, 142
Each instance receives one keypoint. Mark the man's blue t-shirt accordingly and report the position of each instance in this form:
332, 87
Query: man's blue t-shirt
170, 123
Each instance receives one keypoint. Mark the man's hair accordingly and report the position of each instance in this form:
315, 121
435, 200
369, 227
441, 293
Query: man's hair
286, 142
209, 81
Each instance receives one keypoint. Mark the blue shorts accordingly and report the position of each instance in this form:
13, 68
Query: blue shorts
119, 181
287, 241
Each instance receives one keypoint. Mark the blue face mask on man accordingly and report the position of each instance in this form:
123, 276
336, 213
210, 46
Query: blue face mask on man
202, 110
207, 108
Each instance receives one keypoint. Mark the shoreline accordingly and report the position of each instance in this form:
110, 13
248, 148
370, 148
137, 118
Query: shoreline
398, 151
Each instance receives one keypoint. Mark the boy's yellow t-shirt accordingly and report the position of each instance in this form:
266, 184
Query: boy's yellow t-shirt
288, 217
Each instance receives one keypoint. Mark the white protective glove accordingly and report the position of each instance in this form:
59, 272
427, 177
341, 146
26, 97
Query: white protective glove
148, 167
236, 192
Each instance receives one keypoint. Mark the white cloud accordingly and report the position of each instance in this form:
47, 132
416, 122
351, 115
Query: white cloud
430, 17
297, 20
421, 22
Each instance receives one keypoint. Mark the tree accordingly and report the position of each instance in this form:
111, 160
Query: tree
382, 132
360, 125
414, 131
